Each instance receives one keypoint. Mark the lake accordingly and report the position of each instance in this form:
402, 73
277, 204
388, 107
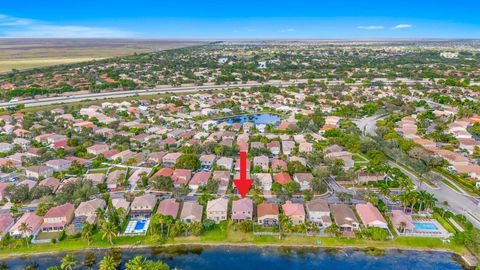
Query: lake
243, 258
257, 119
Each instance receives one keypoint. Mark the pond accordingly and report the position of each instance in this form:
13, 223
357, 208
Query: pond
257, 119
242, 258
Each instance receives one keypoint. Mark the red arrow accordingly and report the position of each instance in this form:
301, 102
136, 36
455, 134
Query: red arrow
243, 184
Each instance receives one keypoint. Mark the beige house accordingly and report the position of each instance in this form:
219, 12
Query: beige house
217, 210
89, 209
191, 212
142, 206
38, 172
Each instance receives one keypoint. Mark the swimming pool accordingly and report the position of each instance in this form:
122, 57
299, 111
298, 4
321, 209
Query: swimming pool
140, 225
137, 226
425, 226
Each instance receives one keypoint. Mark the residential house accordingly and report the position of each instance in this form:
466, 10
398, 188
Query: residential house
98, 149
51, 182
288, 147
6, 222
242, 209
95, 178
223, 179
279, 165
364, 178
402, 222
345, 156
261, 162
191, 212
265, 180
225, 163
199, 179
115, 179
118, 203
59, 164
344, 217
89, 209
282, 178
267, 214
295, 212
217, 210
168, 207
33, 223
274, 147
38, 172
170, 159
304, 179
207, 161
58, 217
319, 212
142, 206
181, 177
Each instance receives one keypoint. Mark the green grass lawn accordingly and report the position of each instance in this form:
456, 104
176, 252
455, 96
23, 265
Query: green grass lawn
235, 237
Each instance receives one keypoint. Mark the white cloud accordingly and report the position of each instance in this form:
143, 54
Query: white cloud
371, 27
402, 26
26, 28
6, 20
288, 30
68, 31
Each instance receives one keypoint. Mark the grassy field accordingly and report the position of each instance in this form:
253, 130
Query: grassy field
231, 236
31, 53
8, 65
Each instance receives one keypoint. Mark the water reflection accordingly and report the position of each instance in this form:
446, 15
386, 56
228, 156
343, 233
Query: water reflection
239, 258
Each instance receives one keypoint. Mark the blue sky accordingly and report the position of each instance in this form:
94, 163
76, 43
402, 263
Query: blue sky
241, 19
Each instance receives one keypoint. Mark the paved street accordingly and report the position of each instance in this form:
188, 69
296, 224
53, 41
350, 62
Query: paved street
457, 202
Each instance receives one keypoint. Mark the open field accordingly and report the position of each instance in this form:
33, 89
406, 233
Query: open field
30, 53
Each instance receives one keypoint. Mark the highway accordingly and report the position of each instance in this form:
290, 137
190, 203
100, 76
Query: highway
182, 89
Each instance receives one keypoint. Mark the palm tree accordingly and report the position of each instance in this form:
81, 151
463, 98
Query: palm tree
108, 263
413, 198
87, 232
384, 189
25, 229
176, 229
195, 228
333, 229
68, 262
422, 197
430, 201
402, 226
154, 223
109, 231
137, 263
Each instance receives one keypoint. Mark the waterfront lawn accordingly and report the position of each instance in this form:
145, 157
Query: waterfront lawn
229, 235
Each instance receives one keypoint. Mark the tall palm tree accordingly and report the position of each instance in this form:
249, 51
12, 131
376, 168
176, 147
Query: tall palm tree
333, 229
384, 189
402, 226
109, 231
68, 262
430, 201
405, 199
154, 223
422, 198
87, 232
413, 197
25, 229
195, 228
137, 263
108, 263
